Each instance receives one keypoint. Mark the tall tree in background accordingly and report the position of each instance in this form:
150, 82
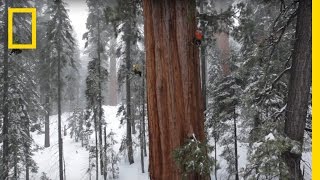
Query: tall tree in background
124, 19
93, 80
44, 70
299, 88
97, 39
174, 97
20, 99
62, 48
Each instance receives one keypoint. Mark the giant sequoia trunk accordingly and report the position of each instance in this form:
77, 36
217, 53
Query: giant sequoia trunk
222, 38
173, 83
299, 86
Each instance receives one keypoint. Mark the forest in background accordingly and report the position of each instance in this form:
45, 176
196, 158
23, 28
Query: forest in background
247, 83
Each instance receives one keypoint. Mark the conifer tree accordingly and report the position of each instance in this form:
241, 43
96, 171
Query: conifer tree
21, 106
61, 48
97, 39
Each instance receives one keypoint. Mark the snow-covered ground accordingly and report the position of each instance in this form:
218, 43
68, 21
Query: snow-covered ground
77, 157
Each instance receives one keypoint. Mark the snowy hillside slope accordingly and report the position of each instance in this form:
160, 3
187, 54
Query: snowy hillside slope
77, 157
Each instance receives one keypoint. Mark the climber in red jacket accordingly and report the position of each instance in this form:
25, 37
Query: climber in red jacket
198, 36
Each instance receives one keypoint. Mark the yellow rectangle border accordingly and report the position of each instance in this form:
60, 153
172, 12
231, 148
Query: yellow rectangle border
315, 90
33, 44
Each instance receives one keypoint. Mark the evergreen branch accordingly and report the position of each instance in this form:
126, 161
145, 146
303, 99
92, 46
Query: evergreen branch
279, 77
282, 30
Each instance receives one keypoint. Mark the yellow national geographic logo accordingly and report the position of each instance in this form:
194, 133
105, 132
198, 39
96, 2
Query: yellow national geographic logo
33, 13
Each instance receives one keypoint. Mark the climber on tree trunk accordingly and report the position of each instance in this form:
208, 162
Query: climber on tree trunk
198, 36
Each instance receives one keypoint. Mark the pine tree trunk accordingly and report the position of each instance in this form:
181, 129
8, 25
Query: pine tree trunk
47, 102
215, 160
59, 103
65, 131
15, 165
128, 93
133, 123
89, 169
144, 113
27, 148
141, 127
64, 169
96, 139
105, 154
235, 143
175, 106
100, 99
47, 121
299, 87
113, 92
5, 110
59, 119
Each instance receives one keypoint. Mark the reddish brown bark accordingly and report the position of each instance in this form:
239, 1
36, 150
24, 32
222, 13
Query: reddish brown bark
222, 38
224, 52
173, 83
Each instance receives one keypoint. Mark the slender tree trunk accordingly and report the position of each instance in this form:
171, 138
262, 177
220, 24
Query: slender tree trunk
27, 167
175, 106
105, 154
60, 141
99, 49
133, 121
47, 103
128, 93
47, 121
141, 129
144, 113
112, 167
59, 119
215, 160
96, 139
235, 143
65, 131
299, 87
64, 169
141, 150
27, 148
5, 110
89, 167
113, 92
15, 162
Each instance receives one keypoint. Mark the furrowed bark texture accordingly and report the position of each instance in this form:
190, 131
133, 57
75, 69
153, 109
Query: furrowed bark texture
299, 86
173, 83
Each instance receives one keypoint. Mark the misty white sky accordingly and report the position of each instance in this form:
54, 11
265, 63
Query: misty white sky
78, 15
